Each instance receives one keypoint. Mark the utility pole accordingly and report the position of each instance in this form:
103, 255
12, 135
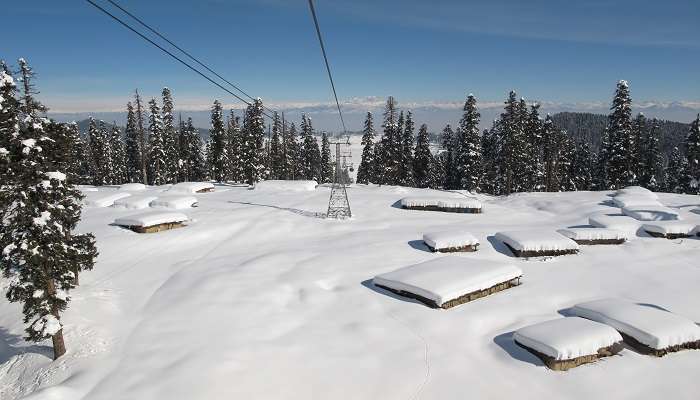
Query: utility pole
338, 204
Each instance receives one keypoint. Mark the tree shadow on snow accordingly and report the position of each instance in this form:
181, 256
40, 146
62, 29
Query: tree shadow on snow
12, 345
499, 246
506, 342
303, 213
419, 245
608, 203
369, 285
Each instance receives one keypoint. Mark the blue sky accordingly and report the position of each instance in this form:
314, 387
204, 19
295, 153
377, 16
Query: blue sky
418, 51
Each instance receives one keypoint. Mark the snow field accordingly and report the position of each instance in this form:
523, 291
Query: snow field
101, 199
649, 325
588, 234
651, 213
134, 202
635, 200
636, 191
536, 240
132, 187
174, 202
449, 239
617, 222
150, 218
464, 202
286, 185
670, 227
191, 187
567, 338
448, 278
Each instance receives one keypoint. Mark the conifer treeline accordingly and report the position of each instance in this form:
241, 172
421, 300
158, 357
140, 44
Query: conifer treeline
522, 152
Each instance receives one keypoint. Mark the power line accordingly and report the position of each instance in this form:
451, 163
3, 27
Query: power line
154, 31
325, 58
171, 54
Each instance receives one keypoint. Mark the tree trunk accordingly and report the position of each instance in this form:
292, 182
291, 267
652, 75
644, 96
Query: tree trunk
76, 280
59, 346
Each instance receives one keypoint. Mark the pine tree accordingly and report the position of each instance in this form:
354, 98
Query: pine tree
406, 165
491, 179
117, 156
142, 138
366, 168
326, 167
277, 149
193, 166
131, 143
294, 154
549, 155
254, 134
234, 149
391, 145
692, 151
217, 146
468, 159
511, 144
308, 148
451, 179
157, 157
650, 171
533, 155
99, 152
581, 167
621, 152
639, 135
9, 128
169, 137
30, 105
423, 160
674, 172
565, 163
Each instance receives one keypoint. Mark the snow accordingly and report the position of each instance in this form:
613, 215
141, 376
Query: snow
134, 202
132, 187
651, 213
633, 200
448, 278
448, 239
47, 325
258, 298
420, 201
286, 185
150, 218
191, 187
615, 221
593, 234
536, 240
42, 219
670, 227
174, 202
567, 338
86, 188
648, 324
636, 190
464, 202
59, 176
102, 199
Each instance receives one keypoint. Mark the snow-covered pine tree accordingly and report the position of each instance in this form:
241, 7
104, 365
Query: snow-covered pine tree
406, 165
307, 148
193, 165
451, 179
117, 156
533, 156
581, 167
276, 149
326, 167
9, 127
29, 104
254, 133
40, 208
157, 157
234, 149
549, 154
169, 137
600, 180
423, 160
99, 151
490, 181
294, 154
131, 144
364, 171
316, 161
692, 151
209, 160
674, 172
217, 147
564, 164
391, 145
468, 159
512, 143
142, 137
650, 172
639, 133
621, 160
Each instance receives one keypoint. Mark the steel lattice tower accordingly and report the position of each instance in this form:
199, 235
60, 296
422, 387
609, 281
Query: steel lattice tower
338, 204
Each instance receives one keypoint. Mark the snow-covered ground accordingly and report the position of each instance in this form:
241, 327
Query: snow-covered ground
259, 298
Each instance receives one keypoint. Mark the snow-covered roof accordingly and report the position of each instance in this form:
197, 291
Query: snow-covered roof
150, 218
174, 202
132, 187
134, 202
651, 213
651, 326
448, 239
191, 187
593, 234
567, 338
461, 202
448, 278
619, 222
536, 240
633, 200
420, 201
99, 199
670, 227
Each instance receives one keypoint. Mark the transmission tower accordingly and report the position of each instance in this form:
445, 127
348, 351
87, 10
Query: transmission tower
338, 204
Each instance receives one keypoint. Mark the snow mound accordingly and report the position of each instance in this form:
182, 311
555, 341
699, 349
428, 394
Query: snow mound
174, 202
636, 190
192, 187
86, 188
150, 219
59, 176
448, 278
670, 227
132, 187
593, 234
651, 213
103, 200
449, 239
464, 202
635, 200
651, 326
567, 338
617, 222
420, 201
299, 186
536, 240
134, 202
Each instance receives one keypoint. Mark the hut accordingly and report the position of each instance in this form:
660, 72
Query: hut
450, 241
537, 243
594, 236
153, 221
669, 229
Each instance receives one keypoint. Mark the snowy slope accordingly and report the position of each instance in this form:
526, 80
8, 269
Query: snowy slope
258, 298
